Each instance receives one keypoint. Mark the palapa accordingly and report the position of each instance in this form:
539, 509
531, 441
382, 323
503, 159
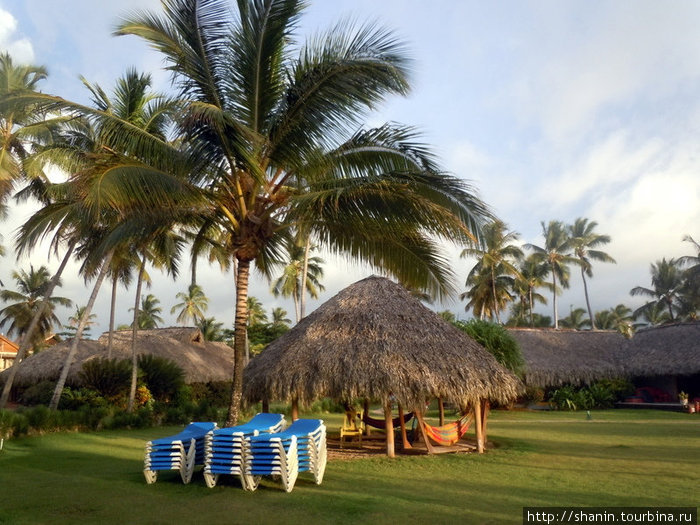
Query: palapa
672, 349
374, 340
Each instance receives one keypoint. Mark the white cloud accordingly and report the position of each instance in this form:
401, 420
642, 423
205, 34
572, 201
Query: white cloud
20, 49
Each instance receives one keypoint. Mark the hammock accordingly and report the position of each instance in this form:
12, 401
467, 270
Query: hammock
381, 423
451, 433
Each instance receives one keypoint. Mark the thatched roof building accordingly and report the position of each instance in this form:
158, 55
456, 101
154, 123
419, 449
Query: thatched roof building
202, 361
555, 357
665, 350
371, 340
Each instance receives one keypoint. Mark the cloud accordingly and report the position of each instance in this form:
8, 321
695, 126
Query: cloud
20, 49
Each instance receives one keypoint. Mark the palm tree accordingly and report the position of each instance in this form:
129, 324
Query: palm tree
667, 283
273, 137
148, 313
298, 264
576, 319
481, 287
618, 318
556, 254
497, 253
194, 304
27, 301
74, 321
583, 239
279, 317
532, 275
256, 312
651, 314
211, 330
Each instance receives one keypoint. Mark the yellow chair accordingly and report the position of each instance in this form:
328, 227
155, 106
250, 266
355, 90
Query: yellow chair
352, 427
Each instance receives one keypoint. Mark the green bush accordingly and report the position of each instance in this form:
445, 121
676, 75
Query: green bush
496, 339
38, 394
218, 393
75, 398
110, 377
162, 376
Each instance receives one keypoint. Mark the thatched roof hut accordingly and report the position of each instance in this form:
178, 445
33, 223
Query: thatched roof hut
555, 357
202, 361
371, 340
665, 350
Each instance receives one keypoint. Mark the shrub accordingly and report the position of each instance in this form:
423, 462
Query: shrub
496, 340
162, 376
110, 377
39, 394
75, 398
218, 393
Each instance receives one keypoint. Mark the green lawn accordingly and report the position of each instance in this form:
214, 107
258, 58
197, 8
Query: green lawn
619, 458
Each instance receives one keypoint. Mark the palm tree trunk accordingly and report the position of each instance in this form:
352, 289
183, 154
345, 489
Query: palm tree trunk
532, 319
26, 340
79, 333
304, 273
554, 302
134, 329
588, 302
112, 307
193, 279
239, 343
493, 291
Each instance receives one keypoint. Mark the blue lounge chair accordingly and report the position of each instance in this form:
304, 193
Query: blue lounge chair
179, 452
226, 448
300, 448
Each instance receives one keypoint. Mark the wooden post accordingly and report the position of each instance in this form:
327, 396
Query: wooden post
485, 417
404, 439
428, 445
365, 409
441, 409
389, 429
266, 406
295, 409
479, 429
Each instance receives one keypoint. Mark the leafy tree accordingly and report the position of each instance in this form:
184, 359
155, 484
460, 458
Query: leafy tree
576, 319
556, 253
27, 301
448, 316
583, 240
497, 340
279, 317
74, 321
211, 330
531, 276
496, 257
276, 142
162, 376
192, 306
256, 312
667, 284
618, 318
481, 286
149, 313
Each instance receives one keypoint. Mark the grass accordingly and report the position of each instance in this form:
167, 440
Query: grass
619, 458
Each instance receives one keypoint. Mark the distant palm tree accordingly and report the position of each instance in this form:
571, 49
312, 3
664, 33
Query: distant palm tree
583, 239
618, 318
26, 301
256, 312
211, 330
149, 313
651, 314
74, 321
690, 293
481, 286
279, 317
667, 284
194, 304
532, 275
576, 320
556, 252
497, 256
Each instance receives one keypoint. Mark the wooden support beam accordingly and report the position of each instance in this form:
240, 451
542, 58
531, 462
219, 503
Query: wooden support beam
479, 428
266, 406
295, 409
404, 438
485, 416
365, 408
389, 429
428, 445
441, 409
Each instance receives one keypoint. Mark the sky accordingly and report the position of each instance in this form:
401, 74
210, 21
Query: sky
551, 109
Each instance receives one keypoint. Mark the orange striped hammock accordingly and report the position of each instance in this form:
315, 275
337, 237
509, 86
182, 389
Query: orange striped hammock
449, 434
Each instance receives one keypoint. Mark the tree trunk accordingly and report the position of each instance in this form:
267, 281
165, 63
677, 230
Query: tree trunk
389, 425
479, 429
297, 311
112, 308
193, 278
295, 409
79, 333
554, 302
134, 330
493, 291
588, 302
239, 343
26, 340
304, 273
532, 319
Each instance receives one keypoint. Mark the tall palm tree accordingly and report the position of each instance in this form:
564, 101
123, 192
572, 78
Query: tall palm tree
273, 135
667, 284
149, 313
583, 239
298, 264
481, 286
497, 253
556, 253
532, 275
192, 306
27, 301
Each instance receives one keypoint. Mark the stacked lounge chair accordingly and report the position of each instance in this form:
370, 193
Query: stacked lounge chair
227, 448
179, 452
300, 448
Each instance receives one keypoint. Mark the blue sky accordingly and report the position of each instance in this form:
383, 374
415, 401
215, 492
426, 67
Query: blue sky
553, 109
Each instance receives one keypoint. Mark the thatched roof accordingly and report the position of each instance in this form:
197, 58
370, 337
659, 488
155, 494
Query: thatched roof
202, 361
554, 357
371, 340
665, 350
